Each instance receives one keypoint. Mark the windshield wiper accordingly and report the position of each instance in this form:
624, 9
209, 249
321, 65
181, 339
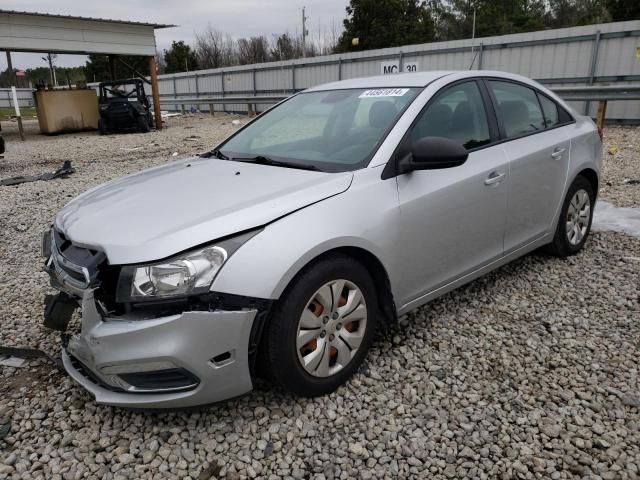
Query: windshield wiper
216, 154
262, 160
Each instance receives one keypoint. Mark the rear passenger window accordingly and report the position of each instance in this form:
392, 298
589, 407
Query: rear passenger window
554, 114
518, 107
550, 110
458, 114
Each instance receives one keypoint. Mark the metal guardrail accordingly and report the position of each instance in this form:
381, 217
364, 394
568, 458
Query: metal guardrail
570, 94
222, 100
251, 101
598, 93
601, 94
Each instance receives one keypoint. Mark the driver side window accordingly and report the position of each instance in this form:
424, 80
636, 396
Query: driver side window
457, 113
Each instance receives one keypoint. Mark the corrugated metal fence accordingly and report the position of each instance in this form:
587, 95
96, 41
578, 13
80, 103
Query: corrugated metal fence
25, 97
603, 54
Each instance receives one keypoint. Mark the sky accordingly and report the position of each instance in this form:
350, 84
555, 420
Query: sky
240, 18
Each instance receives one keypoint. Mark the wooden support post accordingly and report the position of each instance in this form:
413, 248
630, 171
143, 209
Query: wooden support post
155, 93
602, 112
211, 111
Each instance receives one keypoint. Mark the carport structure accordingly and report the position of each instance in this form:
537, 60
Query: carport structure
48, 33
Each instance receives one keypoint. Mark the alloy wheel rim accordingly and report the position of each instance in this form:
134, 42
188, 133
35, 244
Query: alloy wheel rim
331, 328
578, 215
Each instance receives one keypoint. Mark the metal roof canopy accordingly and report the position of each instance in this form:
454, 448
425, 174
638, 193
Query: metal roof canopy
41, 32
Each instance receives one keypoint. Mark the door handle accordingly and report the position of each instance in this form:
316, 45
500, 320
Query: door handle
557, 153
493, 178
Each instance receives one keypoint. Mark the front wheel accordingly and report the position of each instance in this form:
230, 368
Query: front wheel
575, 219
322, 327
102, 126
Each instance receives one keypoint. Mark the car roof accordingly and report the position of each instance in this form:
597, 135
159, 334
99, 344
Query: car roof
416, 79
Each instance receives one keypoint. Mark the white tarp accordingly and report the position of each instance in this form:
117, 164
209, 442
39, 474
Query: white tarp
609, 217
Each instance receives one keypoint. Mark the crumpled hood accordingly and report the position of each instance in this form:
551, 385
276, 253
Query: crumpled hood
168, 209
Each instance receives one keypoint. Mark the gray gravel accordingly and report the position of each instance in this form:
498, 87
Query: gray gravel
622, 166
529, 372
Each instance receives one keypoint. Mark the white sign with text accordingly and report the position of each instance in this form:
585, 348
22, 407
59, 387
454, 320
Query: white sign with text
393, 66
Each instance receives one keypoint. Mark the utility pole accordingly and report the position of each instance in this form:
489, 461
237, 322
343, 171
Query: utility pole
304, 32
52, 70
473, 31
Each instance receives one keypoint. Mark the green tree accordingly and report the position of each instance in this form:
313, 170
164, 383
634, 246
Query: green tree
64, 75
180, 58
493, 17
623, 9
571, 13
385, 23
34, 76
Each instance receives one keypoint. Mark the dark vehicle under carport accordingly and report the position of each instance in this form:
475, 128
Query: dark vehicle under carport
124, 107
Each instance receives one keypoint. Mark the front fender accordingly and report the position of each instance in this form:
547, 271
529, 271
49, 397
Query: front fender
365, 216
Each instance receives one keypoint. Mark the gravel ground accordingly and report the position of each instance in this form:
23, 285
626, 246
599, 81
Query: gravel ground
529, 372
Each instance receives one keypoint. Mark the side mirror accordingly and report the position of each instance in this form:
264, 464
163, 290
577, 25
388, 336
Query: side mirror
430, 153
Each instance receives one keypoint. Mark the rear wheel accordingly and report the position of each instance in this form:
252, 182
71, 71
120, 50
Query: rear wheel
143, 124
575, 219
322, 327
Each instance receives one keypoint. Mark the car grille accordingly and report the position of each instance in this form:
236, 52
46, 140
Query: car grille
75, 267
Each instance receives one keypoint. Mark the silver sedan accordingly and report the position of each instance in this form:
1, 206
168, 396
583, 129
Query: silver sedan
280, 252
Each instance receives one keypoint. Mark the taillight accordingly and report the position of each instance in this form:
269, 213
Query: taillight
601, 133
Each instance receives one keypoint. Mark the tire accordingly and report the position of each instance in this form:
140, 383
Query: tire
143, 124
102, 126
569, 242
283, 356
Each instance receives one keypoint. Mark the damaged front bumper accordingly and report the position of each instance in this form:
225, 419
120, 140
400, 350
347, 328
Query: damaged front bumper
183, 360
183, 357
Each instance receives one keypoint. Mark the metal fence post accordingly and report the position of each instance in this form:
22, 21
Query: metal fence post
195, 76
224, 105
251, 110
293, 77
400, 62
175, 89
253, 81
592, 67
480, 56
339, 68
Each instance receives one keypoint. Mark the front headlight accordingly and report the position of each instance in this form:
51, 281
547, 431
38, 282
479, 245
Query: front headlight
190, 273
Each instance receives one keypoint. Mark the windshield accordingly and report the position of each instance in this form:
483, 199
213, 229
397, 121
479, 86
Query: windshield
335, 130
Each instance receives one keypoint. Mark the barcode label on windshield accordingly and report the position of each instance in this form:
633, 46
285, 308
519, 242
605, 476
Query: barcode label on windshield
384, 92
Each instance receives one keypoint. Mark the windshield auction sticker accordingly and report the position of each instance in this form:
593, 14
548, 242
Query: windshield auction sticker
384, 92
